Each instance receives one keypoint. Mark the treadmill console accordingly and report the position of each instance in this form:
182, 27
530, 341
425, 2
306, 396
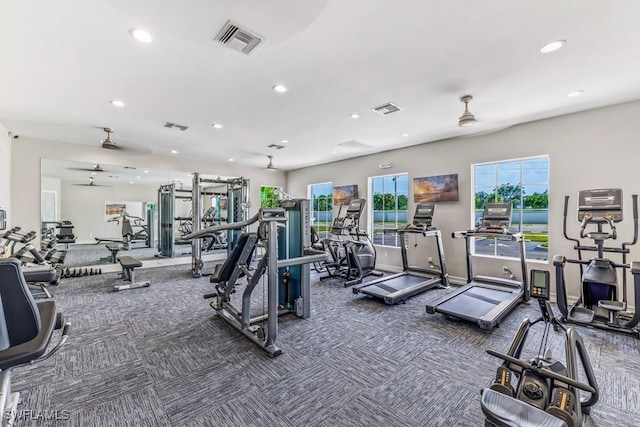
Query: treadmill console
496, 216
540, 284
424, 215
600, 204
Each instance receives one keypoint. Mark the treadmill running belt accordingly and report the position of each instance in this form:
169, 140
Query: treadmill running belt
473, 294
385, 287
475, 302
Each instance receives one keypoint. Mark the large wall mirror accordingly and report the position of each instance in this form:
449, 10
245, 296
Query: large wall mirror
112, 206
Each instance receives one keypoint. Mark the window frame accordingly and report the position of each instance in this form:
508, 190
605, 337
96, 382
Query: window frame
523, 186
370, 210
328, 222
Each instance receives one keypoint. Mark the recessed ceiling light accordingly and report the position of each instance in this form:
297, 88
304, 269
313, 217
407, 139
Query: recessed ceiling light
138, 177
174, 151
130, 182
354, 115
405, 134
217, 125
280, 88
141, 35
553, 46
231, 160
284, 141
575, 93
117, 103
93, 173
146, 171
334, 152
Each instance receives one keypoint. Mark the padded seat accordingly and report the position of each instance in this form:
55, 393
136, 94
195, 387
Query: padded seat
25, 326
129, 265
504, 410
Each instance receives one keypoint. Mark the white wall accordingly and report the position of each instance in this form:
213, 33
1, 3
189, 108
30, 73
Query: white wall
27, 153
84, 206
593, 149
5, 173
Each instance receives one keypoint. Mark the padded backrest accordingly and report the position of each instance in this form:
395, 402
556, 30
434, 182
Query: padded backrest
126, 227
19, 311
231, 261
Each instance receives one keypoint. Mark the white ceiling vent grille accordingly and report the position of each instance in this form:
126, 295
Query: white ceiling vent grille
387, 108
176, 126
276, 146
355, 145
237, 38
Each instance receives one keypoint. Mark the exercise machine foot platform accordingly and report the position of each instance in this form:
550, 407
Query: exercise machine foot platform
129, 265
486, 300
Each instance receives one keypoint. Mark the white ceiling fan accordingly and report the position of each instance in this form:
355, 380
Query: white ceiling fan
92, 183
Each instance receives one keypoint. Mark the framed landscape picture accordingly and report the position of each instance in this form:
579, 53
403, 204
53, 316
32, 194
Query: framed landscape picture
344, 194
440, 188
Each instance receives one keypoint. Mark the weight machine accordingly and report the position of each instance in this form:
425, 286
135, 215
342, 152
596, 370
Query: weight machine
238, 208
285, 232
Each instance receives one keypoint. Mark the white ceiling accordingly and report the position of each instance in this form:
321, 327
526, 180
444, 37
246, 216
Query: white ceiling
64, 60
113, 175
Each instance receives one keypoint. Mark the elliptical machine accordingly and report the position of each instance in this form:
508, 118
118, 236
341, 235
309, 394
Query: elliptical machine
547, 392
354, 258
599, 304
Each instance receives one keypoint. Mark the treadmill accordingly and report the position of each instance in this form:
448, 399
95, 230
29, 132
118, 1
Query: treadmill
486, 300
413, 280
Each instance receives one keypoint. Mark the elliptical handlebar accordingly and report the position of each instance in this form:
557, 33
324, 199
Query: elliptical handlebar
634, 201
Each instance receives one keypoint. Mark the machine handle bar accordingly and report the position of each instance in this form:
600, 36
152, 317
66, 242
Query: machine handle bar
543, 372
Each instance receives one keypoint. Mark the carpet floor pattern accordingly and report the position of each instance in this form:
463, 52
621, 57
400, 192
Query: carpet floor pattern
159, 356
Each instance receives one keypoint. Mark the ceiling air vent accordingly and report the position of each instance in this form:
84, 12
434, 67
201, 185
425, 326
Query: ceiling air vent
238, 38
276, 146
355, 145
387, 108
177, 126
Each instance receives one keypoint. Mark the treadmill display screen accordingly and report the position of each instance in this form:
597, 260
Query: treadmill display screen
424, 214
497, 215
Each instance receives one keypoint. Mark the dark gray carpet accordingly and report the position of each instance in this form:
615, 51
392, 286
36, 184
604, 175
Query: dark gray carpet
159, 356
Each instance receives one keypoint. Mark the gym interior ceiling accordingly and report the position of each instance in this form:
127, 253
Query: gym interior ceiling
66, 60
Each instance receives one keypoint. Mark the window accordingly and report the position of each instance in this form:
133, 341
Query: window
389, 208
321, 196
524, 183
269, 196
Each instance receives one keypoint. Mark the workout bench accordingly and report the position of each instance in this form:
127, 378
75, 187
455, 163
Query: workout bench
113, 248
128, 274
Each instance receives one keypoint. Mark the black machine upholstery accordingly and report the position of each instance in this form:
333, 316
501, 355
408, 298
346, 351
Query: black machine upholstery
25, 326
223, 271
66, 233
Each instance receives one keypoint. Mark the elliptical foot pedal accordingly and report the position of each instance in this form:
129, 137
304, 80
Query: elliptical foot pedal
581, 315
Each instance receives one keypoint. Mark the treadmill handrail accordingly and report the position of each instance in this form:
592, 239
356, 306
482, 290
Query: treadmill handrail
516, 237
205, 232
